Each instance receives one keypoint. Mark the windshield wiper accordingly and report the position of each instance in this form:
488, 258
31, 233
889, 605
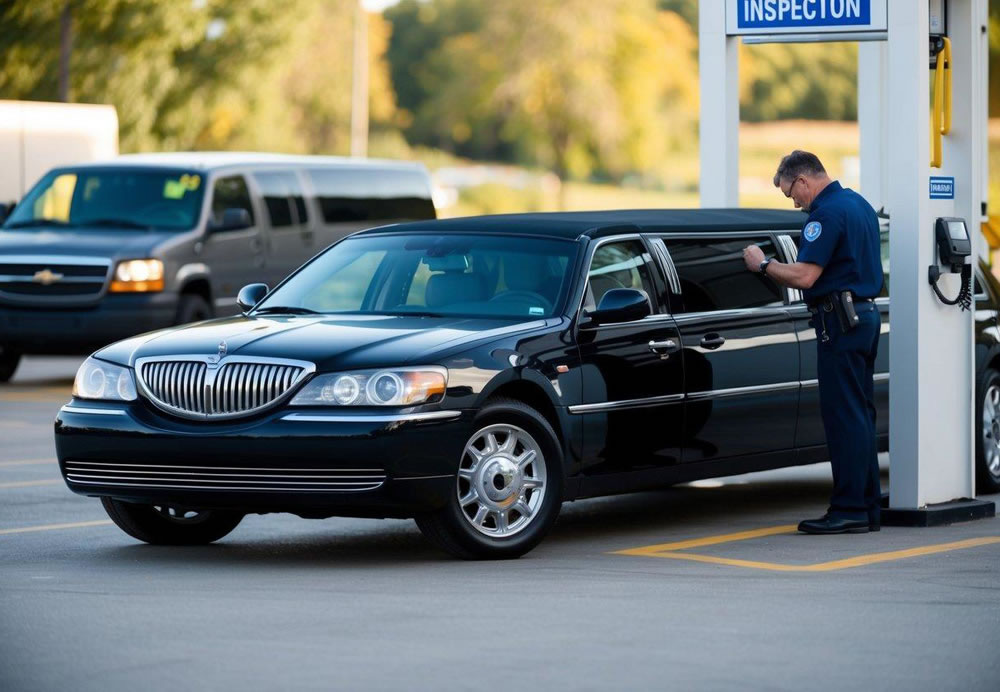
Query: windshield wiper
414, 313
121, 223
288, 310
36, 222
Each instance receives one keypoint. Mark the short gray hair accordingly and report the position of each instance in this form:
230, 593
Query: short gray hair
798, 163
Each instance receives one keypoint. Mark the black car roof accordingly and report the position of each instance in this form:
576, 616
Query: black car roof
572, 225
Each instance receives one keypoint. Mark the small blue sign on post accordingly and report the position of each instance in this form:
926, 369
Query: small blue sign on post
747, 17
942, 187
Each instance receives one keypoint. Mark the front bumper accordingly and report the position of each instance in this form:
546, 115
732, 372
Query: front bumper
83, 330
308, 462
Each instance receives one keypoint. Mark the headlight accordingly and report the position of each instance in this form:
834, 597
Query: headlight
395, 387
99, 380
138, 276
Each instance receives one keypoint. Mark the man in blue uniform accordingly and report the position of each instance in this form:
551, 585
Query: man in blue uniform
839, 269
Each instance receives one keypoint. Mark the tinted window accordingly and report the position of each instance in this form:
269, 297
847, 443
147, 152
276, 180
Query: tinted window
363, 195
884, 250
624, 264
713, 275
230, 193
283, 197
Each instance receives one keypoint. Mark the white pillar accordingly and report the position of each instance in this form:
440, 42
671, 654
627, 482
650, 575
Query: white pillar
873, 111
930, 417
718, 63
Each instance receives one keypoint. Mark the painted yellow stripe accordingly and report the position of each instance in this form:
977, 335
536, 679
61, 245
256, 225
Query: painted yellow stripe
55, 527
37, 398
28, 462
709, 540
25, 484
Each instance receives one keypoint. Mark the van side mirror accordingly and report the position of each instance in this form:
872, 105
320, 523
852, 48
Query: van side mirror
250, 295
6, 209
619, 305
232, 220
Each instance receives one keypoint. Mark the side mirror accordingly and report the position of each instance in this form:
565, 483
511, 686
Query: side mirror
619, 305
6, 209
232, 220
250, 295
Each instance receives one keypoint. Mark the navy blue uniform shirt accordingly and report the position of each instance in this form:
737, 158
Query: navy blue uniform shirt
841, 235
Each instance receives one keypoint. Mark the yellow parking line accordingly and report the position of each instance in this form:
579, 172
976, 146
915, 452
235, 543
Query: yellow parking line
670, 551
28, 462
25, 484
33, 397
54, 527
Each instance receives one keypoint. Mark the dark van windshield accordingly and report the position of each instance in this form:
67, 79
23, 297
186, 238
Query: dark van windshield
112, 199
431, 274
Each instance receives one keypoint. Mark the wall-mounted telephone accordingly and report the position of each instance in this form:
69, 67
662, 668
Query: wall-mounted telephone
954, 247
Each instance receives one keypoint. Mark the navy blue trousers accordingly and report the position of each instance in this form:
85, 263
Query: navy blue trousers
846, 365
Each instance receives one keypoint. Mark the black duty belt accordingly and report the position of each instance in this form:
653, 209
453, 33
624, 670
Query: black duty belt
826, 303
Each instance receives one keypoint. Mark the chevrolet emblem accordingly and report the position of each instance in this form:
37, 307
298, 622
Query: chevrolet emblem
46, 277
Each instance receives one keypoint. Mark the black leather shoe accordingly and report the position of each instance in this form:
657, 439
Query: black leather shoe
874, 524
827, 525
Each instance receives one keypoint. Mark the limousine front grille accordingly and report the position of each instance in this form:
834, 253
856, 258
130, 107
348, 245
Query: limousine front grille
205, 387
247, 479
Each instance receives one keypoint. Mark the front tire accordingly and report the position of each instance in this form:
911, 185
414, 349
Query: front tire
9, 360
508, 486
192, 308
166, 525
988, 439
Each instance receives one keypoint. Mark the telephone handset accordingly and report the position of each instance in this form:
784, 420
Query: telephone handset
954, 246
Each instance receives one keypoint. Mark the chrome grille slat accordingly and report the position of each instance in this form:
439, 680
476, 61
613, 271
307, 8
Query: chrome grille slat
203, 387
224, 478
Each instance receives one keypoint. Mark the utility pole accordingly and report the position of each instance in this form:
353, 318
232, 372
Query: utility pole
359, 84
65, 48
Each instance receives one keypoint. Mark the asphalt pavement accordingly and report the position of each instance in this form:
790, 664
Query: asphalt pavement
704, 586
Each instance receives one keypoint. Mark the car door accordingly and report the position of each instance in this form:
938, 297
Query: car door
632, 379
234, 257
741, 359
290, 240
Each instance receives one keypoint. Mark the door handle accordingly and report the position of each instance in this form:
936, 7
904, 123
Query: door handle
255, 244
664, 348
712, 341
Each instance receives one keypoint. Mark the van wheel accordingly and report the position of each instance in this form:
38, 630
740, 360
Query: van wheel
988, 439
8, 363
167, 525
193, 308
508, 486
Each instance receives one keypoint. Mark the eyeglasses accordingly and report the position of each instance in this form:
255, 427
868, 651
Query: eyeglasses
792, 187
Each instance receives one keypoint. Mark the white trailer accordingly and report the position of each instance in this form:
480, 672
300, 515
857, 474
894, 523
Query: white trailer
36, 137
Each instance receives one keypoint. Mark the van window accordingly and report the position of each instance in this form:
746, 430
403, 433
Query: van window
230, 193
283, 197
713, 275
351, 194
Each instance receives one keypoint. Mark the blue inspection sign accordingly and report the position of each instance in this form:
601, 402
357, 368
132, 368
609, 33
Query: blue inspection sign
748, 17
942, 187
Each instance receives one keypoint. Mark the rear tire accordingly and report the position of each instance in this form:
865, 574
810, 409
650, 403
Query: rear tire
508, 487
988, 439
165, 525
193, 308
9, 360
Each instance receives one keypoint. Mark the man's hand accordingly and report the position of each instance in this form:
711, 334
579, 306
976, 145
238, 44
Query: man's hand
753, 256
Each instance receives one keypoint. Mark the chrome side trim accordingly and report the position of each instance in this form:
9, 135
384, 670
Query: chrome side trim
881, 377
396, 418
741, 391
626, 403
421, 478
368, 487
808, 384
94, 411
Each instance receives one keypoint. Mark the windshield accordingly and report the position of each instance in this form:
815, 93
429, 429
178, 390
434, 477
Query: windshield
111, 199
432, 275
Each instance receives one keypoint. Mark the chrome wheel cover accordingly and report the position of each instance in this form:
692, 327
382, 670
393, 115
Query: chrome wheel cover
501, 480
991, 430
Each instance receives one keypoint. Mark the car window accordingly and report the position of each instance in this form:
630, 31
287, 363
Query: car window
364, 195
624, 264
884, 251
230, 193
283, 197
713, 275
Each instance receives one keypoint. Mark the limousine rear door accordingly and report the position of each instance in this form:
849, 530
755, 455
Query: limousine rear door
633, 386
741, 358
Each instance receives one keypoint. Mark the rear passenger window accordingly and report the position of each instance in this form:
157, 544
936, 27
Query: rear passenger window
713, 275
364, 195
230, 193
624, 264
283, 197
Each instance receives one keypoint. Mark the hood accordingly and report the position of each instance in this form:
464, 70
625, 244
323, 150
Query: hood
89, 242
333, 343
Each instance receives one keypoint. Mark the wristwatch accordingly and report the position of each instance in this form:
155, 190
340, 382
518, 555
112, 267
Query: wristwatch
763, 266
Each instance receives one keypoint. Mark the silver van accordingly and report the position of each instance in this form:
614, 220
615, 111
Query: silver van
102, 251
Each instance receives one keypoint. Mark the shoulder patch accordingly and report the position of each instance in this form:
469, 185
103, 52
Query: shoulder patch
812, 230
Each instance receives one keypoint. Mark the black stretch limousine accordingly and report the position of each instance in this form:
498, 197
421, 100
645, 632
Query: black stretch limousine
474, 374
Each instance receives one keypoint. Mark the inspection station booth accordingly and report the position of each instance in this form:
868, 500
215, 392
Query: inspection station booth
922, 111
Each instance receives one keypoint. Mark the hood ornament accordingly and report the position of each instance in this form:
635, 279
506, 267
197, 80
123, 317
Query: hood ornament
213, 361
